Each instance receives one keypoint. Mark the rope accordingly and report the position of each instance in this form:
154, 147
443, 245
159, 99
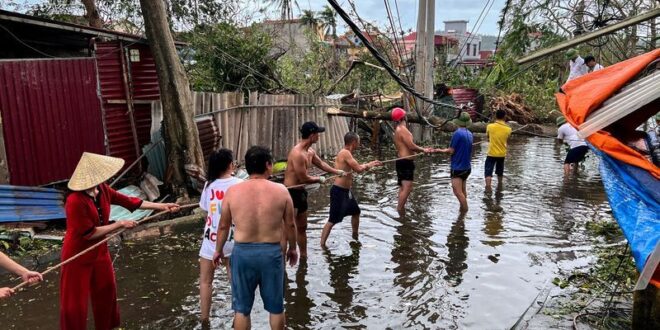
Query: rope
107, 238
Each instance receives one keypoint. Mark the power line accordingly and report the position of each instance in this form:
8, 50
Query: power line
387, 67
475, 29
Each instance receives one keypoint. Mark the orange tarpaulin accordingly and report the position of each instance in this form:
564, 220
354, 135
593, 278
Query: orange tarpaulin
587, 93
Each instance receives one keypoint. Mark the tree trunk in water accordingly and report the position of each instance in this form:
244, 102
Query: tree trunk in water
180, 130
92, 14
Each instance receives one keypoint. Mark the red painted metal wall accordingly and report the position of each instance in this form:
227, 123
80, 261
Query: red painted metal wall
463, 96
144, 87
50, 115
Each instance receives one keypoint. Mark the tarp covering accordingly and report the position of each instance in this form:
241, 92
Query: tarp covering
634, 196
587, 93
631, 181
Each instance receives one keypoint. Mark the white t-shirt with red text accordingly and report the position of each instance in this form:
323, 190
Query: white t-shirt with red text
211, 202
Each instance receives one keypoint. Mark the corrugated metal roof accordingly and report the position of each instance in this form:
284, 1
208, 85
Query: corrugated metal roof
30, 204
119, 213
463, 96
144, 80
50, 115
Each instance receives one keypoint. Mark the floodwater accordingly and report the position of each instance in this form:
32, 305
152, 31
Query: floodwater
431, 268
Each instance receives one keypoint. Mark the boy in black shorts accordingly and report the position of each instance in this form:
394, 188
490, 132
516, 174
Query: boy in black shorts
342, 200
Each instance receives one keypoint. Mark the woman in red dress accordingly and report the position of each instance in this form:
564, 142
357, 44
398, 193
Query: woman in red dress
91, 276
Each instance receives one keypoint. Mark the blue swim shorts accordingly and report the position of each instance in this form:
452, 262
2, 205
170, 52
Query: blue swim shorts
257, 265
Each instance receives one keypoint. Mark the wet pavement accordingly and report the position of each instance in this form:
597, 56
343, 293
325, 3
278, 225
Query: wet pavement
432, 268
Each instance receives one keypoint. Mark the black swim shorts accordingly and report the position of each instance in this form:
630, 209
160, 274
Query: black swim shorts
494, 163
576, 155
462, 174
405, 170
299, 197
342, 203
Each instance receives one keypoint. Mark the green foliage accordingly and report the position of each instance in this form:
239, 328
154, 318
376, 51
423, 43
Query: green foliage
229, 58
318, 69
537, 83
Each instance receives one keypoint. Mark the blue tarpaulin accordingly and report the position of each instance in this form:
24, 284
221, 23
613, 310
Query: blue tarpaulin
634, 196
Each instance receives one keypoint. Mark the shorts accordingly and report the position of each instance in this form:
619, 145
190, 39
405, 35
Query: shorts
207, 252
576, 155
342, 203
405, 170
299, 197
257, 265
461, 174
496, 163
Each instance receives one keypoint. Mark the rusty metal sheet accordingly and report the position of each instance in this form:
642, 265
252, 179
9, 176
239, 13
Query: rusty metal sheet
51, 114
463, 96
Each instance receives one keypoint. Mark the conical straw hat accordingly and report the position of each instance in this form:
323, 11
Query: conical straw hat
94, 169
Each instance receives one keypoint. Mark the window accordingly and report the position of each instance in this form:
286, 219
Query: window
467, 50
474, 49
134, 55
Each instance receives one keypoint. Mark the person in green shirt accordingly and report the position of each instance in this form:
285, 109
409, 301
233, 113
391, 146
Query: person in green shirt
498, 134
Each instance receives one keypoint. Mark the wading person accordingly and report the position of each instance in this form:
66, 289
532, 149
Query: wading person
220, 179
91, 276
460, 148
13, 267
405, 147
577, 147
498, 135
262, 213
298, 161
342, 200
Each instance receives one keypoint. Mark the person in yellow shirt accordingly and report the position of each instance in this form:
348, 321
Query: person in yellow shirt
498, 134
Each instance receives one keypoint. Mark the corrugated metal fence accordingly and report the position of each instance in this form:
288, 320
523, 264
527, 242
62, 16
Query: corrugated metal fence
268, 120
50, 115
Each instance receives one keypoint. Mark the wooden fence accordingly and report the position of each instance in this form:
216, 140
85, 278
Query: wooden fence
272, 121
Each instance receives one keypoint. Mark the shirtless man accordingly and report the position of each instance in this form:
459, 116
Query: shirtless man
342, 200
260, 211
405, 168
299, 160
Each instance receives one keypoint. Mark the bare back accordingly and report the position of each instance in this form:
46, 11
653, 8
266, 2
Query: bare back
342, 162
402, 140
258, 208
297, 157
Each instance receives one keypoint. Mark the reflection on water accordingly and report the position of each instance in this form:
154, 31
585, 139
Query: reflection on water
431, 268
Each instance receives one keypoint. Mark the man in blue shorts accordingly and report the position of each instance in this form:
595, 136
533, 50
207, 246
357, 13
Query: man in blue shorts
262, 213
460, 148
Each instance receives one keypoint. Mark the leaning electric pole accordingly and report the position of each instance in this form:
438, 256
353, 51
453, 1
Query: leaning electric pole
424, 56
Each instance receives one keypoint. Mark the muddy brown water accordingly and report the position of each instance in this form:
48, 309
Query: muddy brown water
431, 268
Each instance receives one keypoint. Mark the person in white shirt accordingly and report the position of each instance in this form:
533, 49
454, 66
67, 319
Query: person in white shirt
576, 64
591, 64
220, 178
577, 147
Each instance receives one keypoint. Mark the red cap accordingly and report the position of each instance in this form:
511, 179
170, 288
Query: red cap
398, 114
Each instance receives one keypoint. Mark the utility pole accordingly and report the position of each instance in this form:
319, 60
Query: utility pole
424, 56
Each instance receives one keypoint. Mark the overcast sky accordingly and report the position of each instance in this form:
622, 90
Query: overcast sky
374, 10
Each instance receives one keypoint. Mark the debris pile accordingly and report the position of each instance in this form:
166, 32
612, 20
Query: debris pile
515, 107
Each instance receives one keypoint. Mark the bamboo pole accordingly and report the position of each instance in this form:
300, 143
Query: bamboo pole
649, 15
107, 238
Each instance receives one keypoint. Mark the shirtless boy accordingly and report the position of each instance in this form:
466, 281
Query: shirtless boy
342, 200
298, 162
260, 211
405, 147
